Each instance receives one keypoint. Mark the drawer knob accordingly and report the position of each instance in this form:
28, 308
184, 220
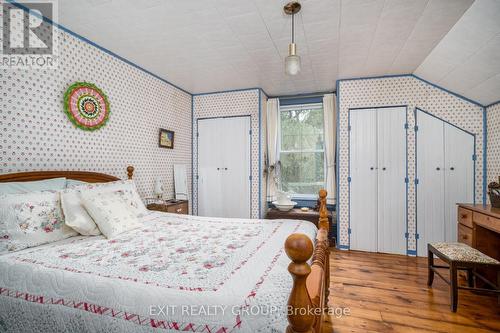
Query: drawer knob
464, 237
464, 216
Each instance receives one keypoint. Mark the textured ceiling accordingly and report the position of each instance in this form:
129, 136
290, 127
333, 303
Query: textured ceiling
467, 60
212, 45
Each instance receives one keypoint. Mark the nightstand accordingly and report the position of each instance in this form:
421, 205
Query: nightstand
169, 206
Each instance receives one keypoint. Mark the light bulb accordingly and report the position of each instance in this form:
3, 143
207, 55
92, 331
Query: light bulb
292, 62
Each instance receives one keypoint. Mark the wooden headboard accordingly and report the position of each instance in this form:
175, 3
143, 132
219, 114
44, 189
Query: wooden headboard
84, 176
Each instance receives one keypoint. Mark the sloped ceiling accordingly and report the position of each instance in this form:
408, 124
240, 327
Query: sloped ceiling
212, 45
467, 60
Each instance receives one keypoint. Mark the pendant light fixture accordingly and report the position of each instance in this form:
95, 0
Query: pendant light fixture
292, 62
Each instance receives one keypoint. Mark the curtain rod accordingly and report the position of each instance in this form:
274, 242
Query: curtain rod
318, 94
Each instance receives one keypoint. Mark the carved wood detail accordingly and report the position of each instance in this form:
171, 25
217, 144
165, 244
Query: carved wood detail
85, 176
309, 295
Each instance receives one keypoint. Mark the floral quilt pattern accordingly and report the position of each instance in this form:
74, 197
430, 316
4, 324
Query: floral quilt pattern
192, 256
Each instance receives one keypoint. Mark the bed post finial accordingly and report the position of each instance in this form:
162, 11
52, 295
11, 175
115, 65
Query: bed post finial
300, 311
323, 212
130, 171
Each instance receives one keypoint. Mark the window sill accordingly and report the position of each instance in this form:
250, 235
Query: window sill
304, 197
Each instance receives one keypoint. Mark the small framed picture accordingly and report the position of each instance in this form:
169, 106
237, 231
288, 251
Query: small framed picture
166, 139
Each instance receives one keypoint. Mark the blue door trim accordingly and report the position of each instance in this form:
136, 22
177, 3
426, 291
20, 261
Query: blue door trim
192, 160
349, 163
337, 162
260, 154
443, 120
198, 154
416, 169
485, 154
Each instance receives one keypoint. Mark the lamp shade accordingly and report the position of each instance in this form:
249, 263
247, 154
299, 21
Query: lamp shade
292, 65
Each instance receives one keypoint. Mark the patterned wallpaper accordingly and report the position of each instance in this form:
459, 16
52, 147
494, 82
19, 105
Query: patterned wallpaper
37, 135
493, 143
410, 91
234, 103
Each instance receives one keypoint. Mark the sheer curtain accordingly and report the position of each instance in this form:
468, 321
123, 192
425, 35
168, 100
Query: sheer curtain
273, 106
330, 120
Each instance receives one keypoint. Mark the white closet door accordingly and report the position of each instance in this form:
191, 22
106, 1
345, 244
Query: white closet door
363, 164
391, 149
430, 174
236, 167
459, 175
209, 163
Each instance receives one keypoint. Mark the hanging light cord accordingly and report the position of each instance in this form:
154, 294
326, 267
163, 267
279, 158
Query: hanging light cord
293, 28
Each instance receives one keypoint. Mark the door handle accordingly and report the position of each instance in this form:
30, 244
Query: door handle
438, 168
384, 168
218, 168
452, 168
225, 168
371, 168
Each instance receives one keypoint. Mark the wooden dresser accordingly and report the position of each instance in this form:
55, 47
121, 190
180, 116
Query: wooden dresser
170, 206
479, 227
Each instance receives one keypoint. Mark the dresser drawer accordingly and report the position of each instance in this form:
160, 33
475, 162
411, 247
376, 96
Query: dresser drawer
465, 217
181, 208
158, 207
465, 234
487, 221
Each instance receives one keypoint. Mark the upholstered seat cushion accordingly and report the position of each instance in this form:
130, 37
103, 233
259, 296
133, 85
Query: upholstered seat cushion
464, 253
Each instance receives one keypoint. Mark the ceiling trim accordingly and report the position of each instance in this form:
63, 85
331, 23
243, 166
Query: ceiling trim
492, 104
420, 79
88, 41
229, 91
374, 77
312, 94
449, 91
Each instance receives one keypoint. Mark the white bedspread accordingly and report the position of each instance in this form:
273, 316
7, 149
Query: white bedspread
177, 273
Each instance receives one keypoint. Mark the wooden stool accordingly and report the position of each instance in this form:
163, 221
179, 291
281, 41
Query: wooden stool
460, 256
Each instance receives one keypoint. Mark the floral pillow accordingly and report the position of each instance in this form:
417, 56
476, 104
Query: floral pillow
31, 219
126, 188
111, 212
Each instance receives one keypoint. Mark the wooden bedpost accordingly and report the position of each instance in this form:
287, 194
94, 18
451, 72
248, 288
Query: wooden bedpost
308, 300
299, 249
323, 212
324, 224
130, 171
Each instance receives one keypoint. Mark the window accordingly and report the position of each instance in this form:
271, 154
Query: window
302, 149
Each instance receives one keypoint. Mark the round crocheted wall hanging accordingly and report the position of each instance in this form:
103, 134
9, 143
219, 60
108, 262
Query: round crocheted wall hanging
86, 106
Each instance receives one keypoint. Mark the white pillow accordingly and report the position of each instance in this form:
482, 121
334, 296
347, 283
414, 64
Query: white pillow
70, 183
75, 215
31, 219
125, 187
111, 212
52, 184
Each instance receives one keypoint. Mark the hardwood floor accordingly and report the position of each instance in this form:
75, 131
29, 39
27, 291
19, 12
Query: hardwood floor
389, 293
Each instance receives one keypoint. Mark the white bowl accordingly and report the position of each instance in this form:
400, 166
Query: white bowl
284, 207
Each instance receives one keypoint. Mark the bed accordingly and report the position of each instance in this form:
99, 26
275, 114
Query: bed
174, 273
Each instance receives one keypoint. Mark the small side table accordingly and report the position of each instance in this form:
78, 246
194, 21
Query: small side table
311, 215
169, 206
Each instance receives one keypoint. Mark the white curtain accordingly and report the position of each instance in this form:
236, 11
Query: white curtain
273, 106
330, 120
